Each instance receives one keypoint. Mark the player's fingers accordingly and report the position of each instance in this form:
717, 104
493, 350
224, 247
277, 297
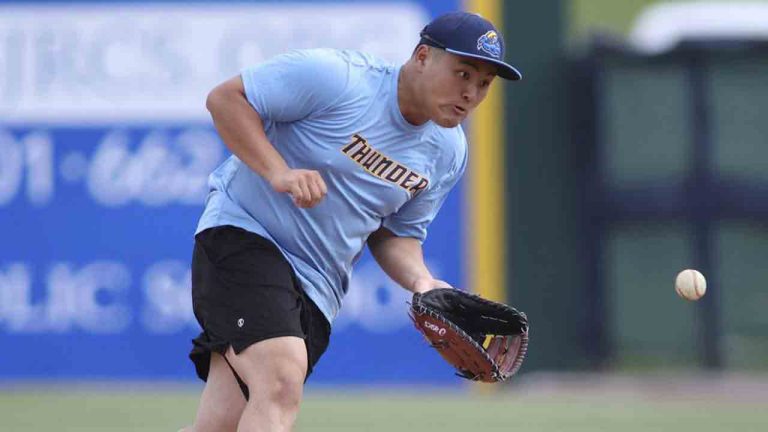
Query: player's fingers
321, 183
317, 187
306, 193
297, 194
317, 193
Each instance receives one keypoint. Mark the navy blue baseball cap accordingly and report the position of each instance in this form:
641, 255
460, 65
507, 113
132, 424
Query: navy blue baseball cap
470, 35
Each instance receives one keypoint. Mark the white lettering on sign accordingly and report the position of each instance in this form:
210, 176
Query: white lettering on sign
167, 298
98, 63
89, 298
160, 171
27, 161
104, 297
154, 169
94, 298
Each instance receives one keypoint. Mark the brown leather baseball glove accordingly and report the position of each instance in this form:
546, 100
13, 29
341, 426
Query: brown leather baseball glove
484, 340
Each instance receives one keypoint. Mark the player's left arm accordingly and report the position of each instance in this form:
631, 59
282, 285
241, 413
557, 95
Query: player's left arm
402, 259
396, 245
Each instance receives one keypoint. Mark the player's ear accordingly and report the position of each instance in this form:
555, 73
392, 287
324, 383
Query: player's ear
421, 55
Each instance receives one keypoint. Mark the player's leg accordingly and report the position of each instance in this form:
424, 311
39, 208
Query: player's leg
274, 371
222, 401
245, 295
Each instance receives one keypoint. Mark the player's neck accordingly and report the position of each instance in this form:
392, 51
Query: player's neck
407, 97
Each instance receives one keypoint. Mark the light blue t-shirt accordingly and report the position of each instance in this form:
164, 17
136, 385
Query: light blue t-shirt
336, 112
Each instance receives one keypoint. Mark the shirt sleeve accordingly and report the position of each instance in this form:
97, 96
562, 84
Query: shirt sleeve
292, 86
414, 217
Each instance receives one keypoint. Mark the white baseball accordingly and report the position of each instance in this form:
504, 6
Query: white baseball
690, 284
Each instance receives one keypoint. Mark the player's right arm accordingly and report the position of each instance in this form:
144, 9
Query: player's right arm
242, 130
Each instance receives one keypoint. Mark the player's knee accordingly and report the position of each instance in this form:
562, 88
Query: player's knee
287, 389
274, 371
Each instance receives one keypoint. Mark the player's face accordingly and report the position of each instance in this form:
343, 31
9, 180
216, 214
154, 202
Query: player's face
456, 85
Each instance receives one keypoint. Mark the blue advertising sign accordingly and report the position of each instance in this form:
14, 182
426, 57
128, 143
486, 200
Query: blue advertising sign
105, 150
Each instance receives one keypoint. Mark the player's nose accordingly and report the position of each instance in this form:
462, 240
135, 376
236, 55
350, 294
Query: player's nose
469, 93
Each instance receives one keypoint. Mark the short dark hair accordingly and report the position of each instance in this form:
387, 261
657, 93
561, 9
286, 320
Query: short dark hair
423, 42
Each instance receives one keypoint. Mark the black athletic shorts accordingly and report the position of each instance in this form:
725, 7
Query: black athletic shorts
244, 291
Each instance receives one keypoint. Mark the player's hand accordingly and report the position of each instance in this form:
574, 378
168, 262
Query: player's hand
424, 284
306, 187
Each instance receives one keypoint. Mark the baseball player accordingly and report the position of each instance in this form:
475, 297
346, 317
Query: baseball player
332, 150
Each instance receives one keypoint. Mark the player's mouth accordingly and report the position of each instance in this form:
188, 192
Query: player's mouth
459, 110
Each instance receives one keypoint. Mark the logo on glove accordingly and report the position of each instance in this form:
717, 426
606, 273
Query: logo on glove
439, 330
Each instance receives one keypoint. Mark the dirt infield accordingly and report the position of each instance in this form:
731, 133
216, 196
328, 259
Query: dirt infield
725, 387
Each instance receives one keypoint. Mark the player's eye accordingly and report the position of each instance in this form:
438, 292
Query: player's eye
485, 83
463, 75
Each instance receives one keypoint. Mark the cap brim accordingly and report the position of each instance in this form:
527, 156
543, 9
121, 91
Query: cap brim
505, 70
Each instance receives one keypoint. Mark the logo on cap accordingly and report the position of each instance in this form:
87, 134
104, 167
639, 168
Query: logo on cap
489, 42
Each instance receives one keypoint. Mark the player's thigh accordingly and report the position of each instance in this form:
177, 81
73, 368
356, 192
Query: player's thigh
222, 401
244, 292
273, 368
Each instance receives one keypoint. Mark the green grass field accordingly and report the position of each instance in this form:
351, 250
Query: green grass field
144, 410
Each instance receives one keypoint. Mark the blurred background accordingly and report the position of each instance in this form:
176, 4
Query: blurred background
635, 147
